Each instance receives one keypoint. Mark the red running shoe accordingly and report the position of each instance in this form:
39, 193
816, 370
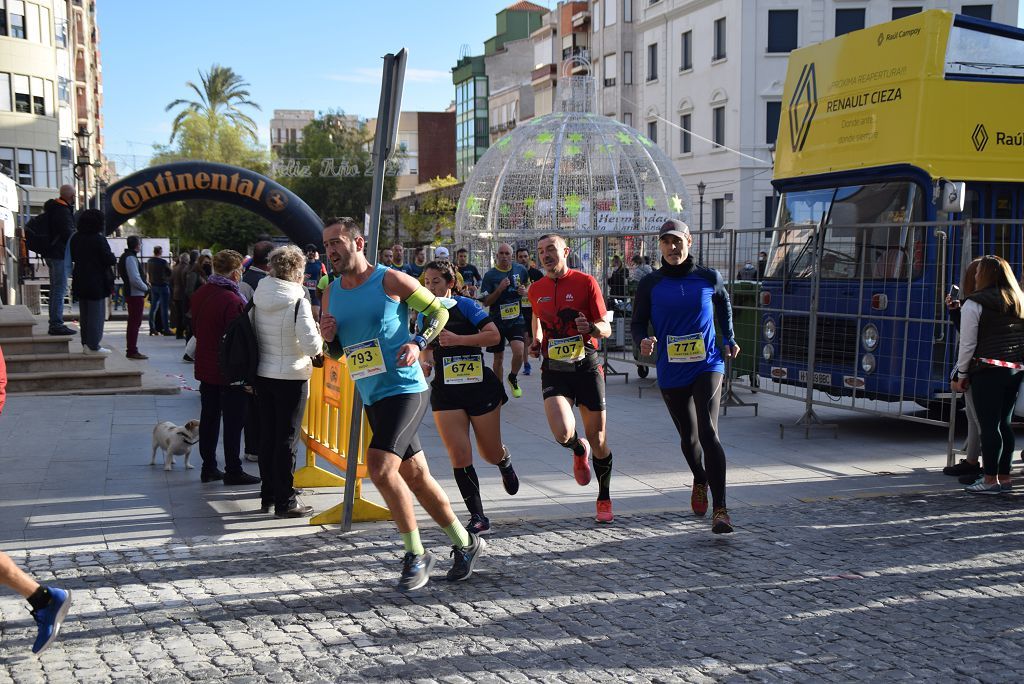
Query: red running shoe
604, 511
581, 465
721, 523
699, 499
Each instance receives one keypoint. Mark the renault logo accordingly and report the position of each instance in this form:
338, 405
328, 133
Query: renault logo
979, 137
802, 107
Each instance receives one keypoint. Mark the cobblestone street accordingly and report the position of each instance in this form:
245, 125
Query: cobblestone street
923, 587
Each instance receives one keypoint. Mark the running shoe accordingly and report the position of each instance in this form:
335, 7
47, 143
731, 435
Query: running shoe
465, 558
509, 480
50, 617
720, 521
478, 524
964, 467
982, 487
581, 465
526, 367
513, 382
415, 570
1006, 486
699, 499
604, 511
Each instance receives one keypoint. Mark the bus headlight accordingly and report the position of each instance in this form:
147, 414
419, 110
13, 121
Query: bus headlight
867, 363
768, 352
769, 329
869, 337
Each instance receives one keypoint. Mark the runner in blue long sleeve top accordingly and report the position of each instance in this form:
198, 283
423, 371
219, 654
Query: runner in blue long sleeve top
683, 302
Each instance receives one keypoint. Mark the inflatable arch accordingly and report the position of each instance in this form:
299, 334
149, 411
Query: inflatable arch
197, 180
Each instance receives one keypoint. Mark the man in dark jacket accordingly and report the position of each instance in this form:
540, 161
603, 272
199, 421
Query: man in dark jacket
93, 278
158, 272
256, 272
60, 219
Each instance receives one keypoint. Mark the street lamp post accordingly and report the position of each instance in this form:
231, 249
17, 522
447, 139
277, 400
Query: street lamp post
701, 187
83, 163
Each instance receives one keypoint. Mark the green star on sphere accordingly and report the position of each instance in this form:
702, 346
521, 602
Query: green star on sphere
573, 150
545, 137
572, 204
529, 202
575, 137
645, 141
503, 143
474, 205
529, 154
649, 201
676, 204
624, 138
504, 210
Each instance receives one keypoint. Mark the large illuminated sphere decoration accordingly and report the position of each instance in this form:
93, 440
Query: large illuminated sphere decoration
571, 171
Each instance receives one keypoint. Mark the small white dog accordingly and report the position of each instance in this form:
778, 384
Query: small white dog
174, 440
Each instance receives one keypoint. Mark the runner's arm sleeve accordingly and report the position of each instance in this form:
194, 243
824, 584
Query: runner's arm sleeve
723, 310
641, 314
434, 315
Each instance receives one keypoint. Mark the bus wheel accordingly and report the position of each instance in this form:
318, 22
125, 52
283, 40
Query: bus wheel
643, 371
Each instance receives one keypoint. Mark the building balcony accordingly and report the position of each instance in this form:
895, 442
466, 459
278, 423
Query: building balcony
546, 72
581, 19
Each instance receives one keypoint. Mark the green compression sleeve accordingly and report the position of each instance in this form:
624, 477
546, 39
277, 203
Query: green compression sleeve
435, 316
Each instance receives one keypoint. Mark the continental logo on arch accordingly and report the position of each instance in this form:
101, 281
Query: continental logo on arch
129, 199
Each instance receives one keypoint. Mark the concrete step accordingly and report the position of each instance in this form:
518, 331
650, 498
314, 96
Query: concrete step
42, 363
15, 321
35, 344
114, 381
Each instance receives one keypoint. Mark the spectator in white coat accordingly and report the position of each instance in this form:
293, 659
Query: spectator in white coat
288, 336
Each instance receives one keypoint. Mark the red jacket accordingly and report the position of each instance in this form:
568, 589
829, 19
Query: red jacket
213, 307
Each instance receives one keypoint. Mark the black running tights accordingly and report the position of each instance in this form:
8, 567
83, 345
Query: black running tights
694, 410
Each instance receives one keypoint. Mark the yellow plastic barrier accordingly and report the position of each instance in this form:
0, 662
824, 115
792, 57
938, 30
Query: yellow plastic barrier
326, 427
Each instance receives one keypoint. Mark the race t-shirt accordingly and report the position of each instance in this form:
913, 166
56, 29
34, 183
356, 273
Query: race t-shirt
558, 302
533, 275
465, 317
469, 274
507, 309
315, 270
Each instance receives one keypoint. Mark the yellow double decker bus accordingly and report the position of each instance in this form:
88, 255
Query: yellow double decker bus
894, 140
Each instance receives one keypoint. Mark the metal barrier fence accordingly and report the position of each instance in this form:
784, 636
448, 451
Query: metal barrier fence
848, 316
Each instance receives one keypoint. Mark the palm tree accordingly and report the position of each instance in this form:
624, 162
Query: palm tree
222, 94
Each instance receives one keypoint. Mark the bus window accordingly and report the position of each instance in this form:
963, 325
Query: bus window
853, 247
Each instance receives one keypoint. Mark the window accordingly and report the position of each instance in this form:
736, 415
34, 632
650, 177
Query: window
60, 32
48, 97
38, 101
611, 68
16, 18
900, 12
51, 170
783, 26
686, 53
627, 67
3, 17
64, 90
39, 168
44, 26
22, 99
25, 167
5, 92
718, 213
7, 161
32, 22
719, 39
627, 118
597, 16
773, 111
848, 20
769, 211
652, 131
652, 62
627, 11
977, 11
611, 13
685, 145
718, 126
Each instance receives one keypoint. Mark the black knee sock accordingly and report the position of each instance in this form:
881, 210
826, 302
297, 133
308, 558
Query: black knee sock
469, 487
574, 444
603, 470
40, 598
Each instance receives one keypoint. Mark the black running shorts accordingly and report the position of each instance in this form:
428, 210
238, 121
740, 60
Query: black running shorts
580, 387
512, 332
476, 399
394, 421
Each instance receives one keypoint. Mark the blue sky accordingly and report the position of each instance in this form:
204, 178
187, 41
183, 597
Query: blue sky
303, 54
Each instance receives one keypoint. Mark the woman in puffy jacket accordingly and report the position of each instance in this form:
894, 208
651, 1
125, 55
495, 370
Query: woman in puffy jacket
92, 278
288, 336
991, 360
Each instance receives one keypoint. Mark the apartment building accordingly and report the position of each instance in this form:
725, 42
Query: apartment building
286, 126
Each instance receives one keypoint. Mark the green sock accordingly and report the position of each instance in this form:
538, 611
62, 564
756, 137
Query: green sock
412, 541
457, 533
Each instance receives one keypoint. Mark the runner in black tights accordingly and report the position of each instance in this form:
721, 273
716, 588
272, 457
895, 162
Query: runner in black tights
682, 301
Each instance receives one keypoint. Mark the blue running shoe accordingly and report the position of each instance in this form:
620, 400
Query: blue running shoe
465, 558
50, 618
415, 570
527, 369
